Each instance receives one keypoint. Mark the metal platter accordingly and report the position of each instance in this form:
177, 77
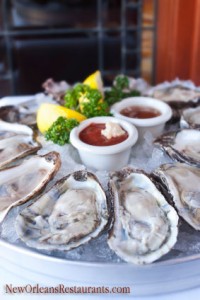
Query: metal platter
176, 271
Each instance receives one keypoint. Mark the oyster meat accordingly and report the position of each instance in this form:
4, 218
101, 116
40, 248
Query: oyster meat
18, 114
27, 112
72, 212
145, 225
21, 109
16, 141
182, 145
9, 114
56, 90
182, 183
23, 181
190, 118
178, 95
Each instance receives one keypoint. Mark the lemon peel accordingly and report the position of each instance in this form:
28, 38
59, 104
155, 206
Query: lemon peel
95, 81
48, 113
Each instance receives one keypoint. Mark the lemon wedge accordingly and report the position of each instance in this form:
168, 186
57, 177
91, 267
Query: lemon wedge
48, 113
95, 81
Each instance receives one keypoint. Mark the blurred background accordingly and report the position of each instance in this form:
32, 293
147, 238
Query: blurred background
69, 39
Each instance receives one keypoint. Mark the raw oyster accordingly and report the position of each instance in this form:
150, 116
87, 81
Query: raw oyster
176, 95
16, 141
18, 114
182, 145
72, 212
190, 118
23, 181
27, 112
145, 225
19, 109
56, 90
182, 183
9, 114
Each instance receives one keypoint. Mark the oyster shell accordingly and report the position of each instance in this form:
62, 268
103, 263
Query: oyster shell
145, 225
56, 90
177, 96
190, 118
27, 112
14, 111
72, 212
182, 183
182, 145
16, 141
9, 114
23, 181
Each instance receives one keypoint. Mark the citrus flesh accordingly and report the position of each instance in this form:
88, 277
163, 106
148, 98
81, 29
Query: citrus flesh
48, 113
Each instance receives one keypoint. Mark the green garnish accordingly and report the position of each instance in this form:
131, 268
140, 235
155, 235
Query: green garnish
73, 95
120, 90
121, 82
87, 101
59, 131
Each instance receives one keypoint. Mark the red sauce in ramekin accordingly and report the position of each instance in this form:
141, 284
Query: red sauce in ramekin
140, 112
92, 135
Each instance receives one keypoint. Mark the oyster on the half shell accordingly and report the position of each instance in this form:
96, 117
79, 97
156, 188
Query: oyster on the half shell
182, 182
72, 212
23, 181
16, 141
9, 113
19, 112
145, 225
182, 145
177, 96
190, 118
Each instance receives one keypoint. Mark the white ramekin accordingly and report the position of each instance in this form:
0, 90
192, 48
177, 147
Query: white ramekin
154, 125
108, 158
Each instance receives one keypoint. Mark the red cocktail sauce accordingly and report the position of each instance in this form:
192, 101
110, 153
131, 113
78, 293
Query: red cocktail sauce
140, 112
92, 135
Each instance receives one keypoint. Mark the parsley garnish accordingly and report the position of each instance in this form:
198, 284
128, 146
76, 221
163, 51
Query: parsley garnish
87, 101
120, 90
59, 131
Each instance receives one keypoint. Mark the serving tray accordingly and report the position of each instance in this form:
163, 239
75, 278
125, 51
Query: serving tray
95, 264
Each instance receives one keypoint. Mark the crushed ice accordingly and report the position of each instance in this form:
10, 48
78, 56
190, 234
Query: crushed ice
144, 156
